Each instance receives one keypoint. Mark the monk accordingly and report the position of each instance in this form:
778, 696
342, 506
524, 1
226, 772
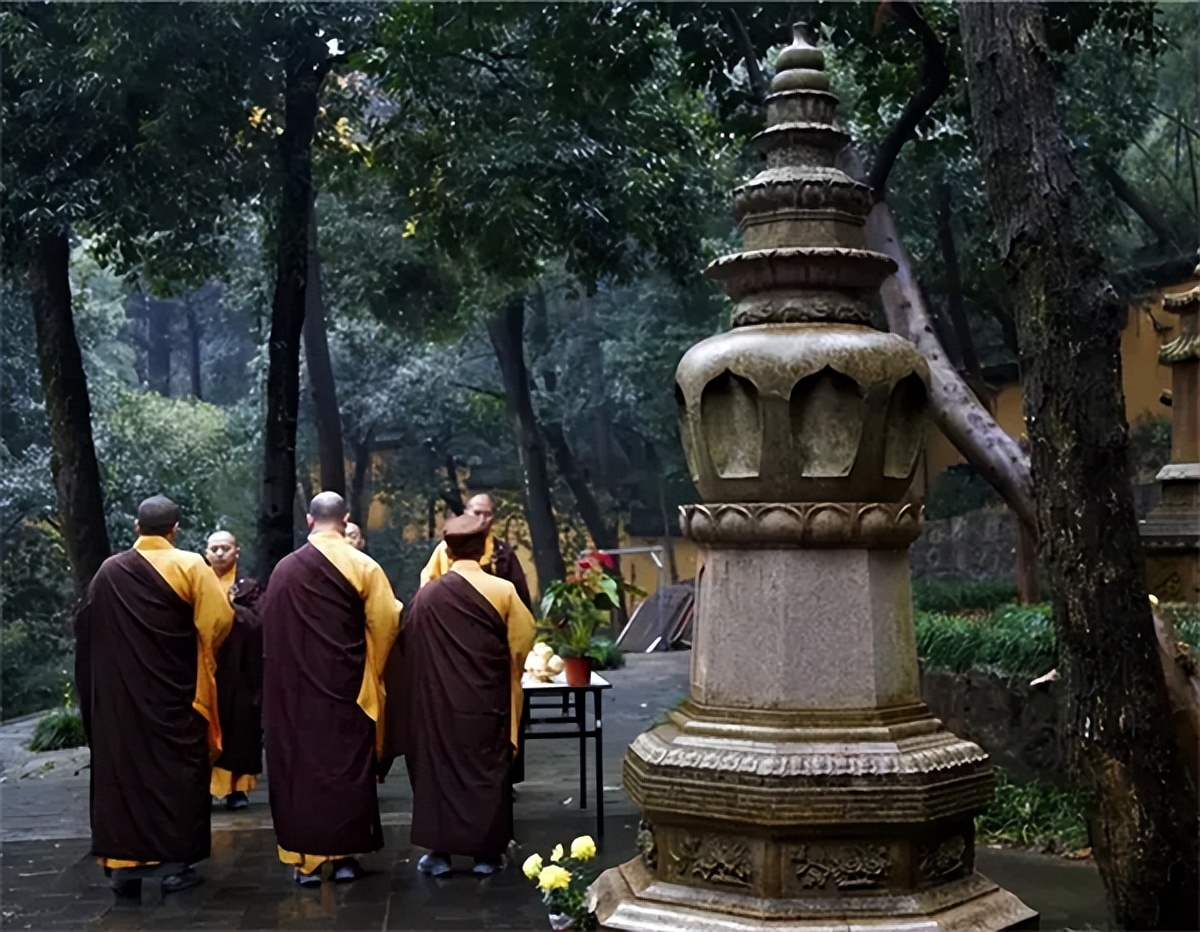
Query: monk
329, 620
354, 534
463, 650
499, 559
146, 637
239, 679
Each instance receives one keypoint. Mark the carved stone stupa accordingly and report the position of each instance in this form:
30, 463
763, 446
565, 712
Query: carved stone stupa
803, 784
1171, 532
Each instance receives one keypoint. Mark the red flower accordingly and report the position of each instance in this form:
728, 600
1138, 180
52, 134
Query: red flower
606, 561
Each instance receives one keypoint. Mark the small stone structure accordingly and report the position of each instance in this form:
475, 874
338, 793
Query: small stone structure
803, 785
1171, 532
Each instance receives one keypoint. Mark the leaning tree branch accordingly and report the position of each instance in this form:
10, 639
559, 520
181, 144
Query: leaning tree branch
758, 81
1129, 195
934, 79
957, 412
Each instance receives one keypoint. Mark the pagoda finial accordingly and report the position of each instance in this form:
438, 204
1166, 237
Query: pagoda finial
800, 65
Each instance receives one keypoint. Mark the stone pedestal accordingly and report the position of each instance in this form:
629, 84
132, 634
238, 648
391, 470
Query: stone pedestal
1171, 532
803, 784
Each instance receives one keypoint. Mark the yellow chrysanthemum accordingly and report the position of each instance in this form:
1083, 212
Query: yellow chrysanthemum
553, 878
583, 848
557, 854
532, 866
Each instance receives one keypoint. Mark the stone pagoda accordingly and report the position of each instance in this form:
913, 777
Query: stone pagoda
1171, 532
803, 784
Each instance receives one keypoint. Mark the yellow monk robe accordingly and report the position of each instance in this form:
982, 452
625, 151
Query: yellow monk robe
193, 581
382, 610
223, 781
439, 561
521, 629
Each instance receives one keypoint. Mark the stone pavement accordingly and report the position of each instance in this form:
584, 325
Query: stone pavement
49, 882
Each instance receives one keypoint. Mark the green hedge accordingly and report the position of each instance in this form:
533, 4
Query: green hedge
1034, 815
1015, 640
931, 595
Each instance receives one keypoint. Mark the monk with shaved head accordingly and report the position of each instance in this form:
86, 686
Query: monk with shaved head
329, 621
146, 636
239, 679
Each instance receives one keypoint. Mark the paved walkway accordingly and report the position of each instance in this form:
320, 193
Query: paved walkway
49, 882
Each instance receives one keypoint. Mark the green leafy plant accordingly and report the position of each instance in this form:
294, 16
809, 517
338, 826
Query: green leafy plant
564, 883
932, 595
59, 730
1034, 815
1015, 640
575, 607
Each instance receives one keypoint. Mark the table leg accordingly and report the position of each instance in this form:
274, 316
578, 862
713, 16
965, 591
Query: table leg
599, 769
581, 720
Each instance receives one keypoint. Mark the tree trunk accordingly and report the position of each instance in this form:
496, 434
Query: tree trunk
359, 505
452, 495
158, 345
328, 418
195, 336
305, 71
603, 536
954, 292
1144, 828
506, 328
73, 461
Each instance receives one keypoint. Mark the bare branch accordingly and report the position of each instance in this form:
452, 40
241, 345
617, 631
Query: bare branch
934, 79
758, 81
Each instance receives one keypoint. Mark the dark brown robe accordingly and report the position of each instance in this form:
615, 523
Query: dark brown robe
455, 699
239, 684
135, 672
320, 744
505, 565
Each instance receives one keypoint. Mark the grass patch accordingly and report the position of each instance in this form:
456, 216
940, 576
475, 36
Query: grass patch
58, 730
1034, 815
932, 595
1015, 640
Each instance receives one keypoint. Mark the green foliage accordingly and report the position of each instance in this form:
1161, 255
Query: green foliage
1034, 815
958, 490
1015, 640
58, 731
605, 654
1186, 618
1149, 446
932, 595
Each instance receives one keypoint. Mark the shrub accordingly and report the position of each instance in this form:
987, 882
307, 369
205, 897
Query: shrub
1034, 815
932, 595
1015, 640
58, 730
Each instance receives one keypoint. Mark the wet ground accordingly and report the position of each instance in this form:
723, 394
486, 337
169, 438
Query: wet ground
49, 882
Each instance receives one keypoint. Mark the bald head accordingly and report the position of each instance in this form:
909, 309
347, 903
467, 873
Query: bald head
157, 516
327, 512
481, 506
222, 552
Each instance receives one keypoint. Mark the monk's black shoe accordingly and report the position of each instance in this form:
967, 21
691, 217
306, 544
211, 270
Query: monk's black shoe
346, 869
434, 864
486, 866
237, 800
306, 880
173, 883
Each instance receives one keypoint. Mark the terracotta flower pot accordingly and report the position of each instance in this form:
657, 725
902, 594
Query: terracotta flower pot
578, 670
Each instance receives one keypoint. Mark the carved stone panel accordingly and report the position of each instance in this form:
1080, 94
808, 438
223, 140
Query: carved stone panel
646, 845
942, 860
712, 859
841, 868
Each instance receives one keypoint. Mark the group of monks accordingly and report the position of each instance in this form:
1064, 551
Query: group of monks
187, 671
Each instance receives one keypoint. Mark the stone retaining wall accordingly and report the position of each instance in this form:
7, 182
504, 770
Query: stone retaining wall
1020, 727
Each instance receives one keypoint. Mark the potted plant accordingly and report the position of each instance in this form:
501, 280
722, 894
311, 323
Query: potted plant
573, 609
564, 884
